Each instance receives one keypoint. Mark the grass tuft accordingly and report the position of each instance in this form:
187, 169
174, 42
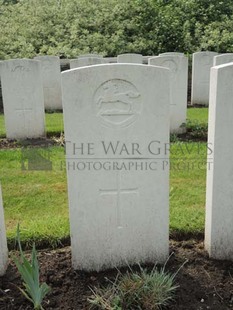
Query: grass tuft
151, 290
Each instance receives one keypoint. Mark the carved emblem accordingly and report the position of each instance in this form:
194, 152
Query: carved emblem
117, 102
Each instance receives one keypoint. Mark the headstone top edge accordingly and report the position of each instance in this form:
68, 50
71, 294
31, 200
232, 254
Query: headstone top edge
46, 57
126, 54
89, 56
222, 66
206, 53
107, 65
178, 57
224, 54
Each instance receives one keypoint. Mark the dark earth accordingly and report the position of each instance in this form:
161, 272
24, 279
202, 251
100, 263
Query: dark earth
203, 283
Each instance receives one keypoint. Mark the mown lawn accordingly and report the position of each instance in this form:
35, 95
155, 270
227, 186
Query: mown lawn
54, 121
198, 114
38, 199
35, 199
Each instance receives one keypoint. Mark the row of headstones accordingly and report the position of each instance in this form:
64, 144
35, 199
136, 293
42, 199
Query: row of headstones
119, 207
201, 65
24, 98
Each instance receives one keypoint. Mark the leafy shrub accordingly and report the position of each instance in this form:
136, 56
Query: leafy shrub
109, 27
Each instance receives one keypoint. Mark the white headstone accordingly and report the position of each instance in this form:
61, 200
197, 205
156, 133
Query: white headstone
172, 53
179, 84
3, 242
90, 55
85, 61
223, 59
23, 100
202, 62
118, 202
51, 75
219, 193
130, 58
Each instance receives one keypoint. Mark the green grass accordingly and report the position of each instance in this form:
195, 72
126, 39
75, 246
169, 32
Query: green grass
35, 199
38, 199
53, 122
187, 187
2, 126
198, 114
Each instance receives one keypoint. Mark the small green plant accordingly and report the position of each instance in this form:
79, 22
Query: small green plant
29, 272
141, 290
174, 137
197, 129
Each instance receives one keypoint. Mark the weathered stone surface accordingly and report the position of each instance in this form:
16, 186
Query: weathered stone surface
178, 65
219, 193
86, 61
172, 53
23, 100
223, 59
118, 185
51, 76
90, 55
202, 62
130, 58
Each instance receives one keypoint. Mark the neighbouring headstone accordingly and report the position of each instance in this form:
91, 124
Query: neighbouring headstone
118, 181
3, 242
223, 59
219, 193
90, 55
172, 53
51, 75
202, 62
23, 100
86, 61
178, 65
130, 58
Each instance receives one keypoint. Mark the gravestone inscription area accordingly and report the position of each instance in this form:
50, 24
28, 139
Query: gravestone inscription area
118, 176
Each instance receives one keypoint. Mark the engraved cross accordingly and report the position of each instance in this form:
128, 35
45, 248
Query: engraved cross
118, 192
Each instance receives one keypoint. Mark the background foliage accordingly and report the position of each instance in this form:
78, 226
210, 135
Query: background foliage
72, 27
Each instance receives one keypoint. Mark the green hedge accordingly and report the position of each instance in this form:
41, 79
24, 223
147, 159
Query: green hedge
72, 27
